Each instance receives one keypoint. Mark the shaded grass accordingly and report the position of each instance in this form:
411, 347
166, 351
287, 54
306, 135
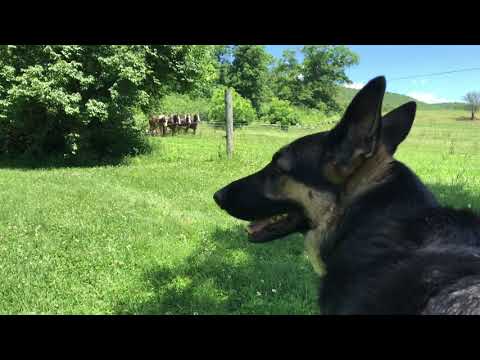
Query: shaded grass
146, 237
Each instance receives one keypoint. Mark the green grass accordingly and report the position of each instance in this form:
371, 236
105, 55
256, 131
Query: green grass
147, 238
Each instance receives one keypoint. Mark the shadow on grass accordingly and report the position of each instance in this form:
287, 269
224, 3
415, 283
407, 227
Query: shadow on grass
106, 147
36, 164
467, 119
86, 160
228, 275
455, 195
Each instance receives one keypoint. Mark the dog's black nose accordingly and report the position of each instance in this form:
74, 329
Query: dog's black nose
219, 197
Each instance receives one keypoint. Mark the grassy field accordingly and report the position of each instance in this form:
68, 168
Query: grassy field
147, 238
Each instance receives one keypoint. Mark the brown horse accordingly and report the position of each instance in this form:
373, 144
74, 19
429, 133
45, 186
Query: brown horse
194, 123
187, 122
173, 123
163, 123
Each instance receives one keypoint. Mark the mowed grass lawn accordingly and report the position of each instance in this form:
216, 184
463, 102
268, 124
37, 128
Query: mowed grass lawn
147, 238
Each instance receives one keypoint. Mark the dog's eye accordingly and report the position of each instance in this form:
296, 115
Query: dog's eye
283, 163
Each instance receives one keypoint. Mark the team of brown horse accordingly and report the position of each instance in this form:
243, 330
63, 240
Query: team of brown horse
161, 124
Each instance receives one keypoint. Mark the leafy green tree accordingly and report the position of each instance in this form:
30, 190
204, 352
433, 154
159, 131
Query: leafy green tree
314, 82
323, 69
243, 112
249, 73
223, 56
280, 112
69, 99
286, 77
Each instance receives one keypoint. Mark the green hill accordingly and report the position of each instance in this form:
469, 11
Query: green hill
392, 100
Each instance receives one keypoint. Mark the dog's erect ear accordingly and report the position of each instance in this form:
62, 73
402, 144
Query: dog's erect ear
397, 124
357, 134
362, 117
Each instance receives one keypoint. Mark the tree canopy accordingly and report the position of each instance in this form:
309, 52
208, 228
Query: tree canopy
69, 99
314, 82
249, 74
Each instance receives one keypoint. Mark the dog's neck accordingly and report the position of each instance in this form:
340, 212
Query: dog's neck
374, 171
316, 240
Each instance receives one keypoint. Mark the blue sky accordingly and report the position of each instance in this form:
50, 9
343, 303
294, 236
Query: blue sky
396, 61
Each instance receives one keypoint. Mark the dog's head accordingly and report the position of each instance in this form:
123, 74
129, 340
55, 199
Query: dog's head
309, 180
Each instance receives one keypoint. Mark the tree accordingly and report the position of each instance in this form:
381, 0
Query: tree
249, 73
180, 69
286, 77
280, 112
323, 69
243, 111
314, 82
473, 100
67, 100
223, 56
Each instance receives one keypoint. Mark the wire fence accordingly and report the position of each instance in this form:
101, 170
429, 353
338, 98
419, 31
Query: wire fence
219, 125
455, 143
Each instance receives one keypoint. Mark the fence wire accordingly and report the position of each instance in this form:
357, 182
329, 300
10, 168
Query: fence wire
245, 125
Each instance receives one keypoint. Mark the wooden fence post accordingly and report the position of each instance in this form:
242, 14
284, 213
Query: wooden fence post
229, 120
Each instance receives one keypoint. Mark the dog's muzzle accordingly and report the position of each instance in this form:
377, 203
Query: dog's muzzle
219, 197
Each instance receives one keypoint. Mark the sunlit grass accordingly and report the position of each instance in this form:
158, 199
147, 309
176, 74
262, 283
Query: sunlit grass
146, 237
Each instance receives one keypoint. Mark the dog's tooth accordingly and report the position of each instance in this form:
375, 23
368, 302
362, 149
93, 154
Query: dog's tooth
277, 218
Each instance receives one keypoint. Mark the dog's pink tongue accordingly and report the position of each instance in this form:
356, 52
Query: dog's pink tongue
255, 226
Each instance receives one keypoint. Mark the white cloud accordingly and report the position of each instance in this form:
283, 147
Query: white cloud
426, 97
355, 85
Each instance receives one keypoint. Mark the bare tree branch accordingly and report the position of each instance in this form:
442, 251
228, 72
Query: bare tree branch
473, 99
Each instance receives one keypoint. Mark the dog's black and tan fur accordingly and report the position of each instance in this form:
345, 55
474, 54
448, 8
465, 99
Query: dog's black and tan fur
373, 230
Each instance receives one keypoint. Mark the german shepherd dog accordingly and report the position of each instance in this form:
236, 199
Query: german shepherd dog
373, 231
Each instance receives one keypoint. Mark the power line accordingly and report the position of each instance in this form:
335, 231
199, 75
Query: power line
434, 74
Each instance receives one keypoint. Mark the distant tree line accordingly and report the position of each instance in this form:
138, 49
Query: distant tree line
312, 83
77, 102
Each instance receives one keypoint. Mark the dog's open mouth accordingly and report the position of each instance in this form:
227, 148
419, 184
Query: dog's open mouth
276, 227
